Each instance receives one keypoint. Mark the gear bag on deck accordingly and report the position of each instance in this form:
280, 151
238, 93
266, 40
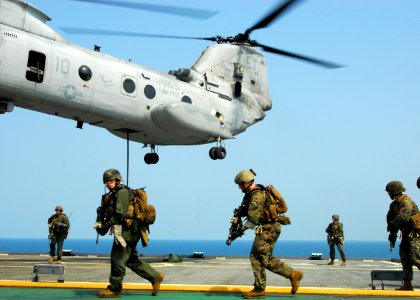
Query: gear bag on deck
277, 206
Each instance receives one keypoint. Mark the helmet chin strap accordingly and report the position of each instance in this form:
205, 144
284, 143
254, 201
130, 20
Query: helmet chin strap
245, 190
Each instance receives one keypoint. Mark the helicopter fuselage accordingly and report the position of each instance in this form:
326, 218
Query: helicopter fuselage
221, 95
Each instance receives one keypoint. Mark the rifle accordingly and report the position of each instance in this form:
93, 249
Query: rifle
102, 217
392, 238
235, 229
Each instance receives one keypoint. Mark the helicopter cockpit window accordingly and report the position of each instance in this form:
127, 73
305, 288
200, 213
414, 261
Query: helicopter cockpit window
186, 99
35, 67
85, 73
149, 91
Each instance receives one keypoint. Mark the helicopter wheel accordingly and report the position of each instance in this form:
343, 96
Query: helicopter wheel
217, 153
213, 153
221, 152
151, 158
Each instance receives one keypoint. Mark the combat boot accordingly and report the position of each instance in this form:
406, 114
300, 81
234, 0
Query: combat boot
407, 286
295, 280
255, 293
343, 264
109, 294
156, 285
51, 260
58, 261
331, 263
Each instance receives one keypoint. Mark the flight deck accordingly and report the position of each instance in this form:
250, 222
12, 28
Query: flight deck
226, 276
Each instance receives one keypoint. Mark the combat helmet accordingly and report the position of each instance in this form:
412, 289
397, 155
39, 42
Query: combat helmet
59, 207
336, 217
395, 187
245, 176
112, 174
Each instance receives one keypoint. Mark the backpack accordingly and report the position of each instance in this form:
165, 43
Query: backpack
415, 222
139, 209
277, 206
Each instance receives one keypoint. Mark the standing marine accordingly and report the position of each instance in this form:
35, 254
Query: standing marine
403, 215
123, 253
58, 229
266, 235
335, 237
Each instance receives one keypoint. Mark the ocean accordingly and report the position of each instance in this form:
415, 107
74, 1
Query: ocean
353, 249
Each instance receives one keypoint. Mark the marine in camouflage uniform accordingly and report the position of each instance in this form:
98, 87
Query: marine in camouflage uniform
123, 253
266, 235
58, 229
335, 237
399, 216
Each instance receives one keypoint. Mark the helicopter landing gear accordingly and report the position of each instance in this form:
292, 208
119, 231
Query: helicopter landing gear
152, 157
218, 152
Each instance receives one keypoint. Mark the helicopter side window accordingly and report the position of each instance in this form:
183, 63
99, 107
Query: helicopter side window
85, 73
35, 67
129, 85
186, 99
149, 91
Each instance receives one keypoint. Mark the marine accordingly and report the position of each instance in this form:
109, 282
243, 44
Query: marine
266, 235
124, 248
335, 237
58, 229
403, 215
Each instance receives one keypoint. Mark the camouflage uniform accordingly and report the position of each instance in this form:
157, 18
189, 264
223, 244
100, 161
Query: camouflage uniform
57, 234
399, 213
265, 239
125, 257
336, 238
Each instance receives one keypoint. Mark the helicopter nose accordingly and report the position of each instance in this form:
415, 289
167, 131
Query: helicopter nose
265, 103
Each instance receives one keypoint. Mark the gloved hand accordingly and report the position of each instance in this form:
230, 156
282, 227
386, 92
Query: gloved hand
59, 224
117, 231
101, 229
392, 238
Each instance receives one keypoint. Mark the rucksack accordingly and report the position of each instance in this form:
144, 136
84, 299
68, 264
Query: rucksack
277, 206
139, 209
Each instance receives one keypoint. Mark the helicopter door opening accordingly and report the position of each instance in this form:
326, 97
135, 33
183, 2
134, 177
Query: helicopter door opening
35, 67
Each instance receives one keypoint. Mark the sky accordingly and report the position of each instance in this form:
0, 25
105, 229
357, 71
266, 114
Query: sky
330, 144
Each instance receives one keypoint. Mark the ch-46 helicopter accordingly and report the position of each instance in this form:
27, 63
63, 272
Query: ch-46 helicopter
222, 94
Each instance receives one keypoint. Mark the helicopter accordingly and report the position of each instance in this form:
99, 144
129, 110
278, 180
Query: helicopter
223, 93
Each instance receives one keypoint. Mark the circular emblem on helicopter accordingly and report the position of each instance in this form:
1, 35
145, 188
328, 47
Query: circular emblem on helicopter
70, 91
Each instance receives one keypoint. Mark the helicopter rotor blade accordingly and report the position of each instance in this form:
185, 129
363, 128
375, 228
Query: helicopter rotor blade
274, 14
316, 61
173, 10
91, 31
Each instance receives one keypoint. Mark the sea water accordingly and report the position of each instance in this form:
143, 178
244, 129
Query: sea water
353, 249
